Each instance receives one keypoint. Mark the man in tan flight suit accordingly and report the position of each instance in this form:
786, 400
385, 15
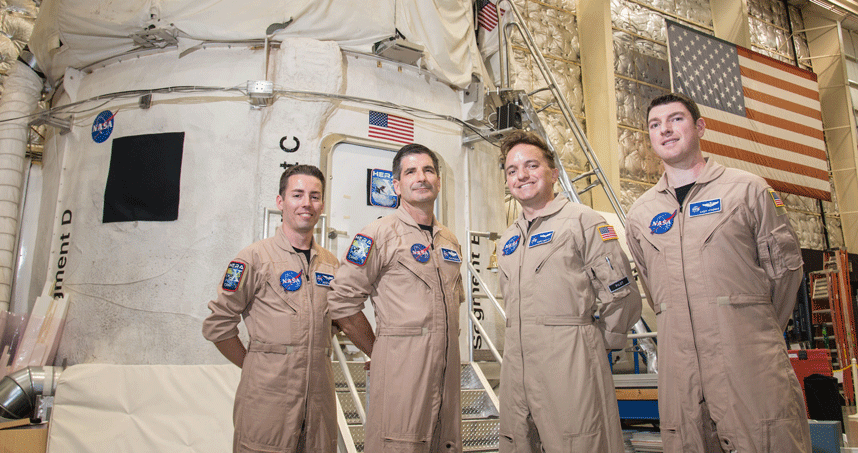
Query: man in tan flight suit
285, 399
715, 248
557, 258
408, 264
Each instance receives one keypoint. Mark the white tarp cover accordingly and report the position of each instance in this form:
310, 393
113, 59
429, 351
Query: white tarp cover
144, 408
77, 33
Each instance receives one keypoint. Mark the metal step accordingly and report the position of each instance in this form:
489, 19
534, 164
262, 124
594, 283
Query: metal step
477, 435
480, 423
357, 372
475, 405
819, 290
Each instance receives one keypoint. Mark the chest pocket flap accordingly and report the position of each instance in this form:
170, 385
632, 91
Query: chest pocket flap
423, 271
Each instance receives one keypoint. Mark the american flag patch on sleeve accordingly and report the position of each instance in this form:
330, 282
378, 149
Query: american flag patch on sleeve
607, 233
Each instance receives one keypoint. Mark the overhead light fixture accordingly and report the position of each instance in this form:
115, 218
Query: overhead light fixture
260, 93
398, 49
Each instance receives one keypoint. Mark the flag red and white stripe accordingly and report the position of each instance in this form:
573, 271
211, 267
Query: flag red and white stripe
762, 115
390, 127
607, 233
487, 16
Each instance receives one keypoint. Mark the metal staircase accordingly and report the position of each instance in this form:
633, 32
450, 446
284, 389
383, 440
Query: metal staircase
513, 109
480, 422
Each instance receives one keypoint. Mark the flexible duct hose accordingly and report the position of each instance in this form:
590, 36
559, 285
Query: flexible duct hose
18, 391
21, 94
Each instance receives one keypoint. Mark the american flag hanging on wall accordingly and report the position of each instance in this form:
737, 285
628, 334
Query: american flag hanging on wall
487, 14
762, 115
390, 127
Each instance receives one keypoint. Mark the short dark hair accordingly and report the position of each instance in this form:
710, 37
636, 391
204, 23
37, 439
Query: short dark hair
519, 137
300, 169
675, 97
413, 148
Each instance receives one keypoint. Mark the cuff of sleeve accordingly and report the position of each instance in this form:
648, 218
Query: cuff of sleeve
216, 336
615, 340
345, 311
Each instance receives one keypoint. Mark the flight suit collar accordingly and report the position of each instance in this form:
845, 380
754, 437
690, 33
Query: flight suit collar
405, 217
711, 171
283, 242
553, 207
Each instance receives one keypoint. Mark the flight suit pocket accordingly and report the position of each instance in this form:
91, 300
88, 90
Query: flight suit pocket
609, 279
418, 270
395, 445
560, 242
725, 219
506, 444
784, 434
779, 253
584, 443
671, 439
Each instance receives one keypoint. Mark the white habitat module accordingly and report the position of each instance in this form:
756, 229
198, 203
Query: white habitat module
180, 115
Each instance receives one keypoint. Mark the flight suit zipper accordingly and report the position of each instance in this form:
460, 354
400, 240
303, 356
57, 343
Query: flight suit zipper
311, 340
523, 246
688, 196
446, 337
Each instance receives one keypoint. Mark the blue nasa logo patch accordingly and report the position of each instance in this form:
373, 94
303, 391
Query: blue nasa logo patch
102, 126
291, 280
541, 238
511, 245
662, 223
704, 207
324, 279
359, 250
420, 253
450, 255
233, 275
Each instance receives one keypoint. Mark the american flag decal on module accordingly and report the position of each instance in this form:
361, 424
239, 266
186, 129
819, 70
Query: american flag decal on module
390, 127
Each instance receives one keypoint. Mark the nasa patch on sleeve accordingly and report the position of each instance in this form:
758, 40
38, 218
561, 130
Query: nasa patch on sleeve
232, 278
359, 250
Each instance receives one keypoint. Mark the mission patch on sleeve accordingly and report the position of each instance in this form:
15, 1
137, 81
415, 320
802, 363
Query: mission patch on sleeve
233, 275
359, 250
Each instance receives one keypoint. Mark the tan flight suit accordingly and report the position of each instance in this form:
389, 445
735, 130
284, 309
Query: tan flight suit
415, 382
555, 371
286, 381
723, 274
